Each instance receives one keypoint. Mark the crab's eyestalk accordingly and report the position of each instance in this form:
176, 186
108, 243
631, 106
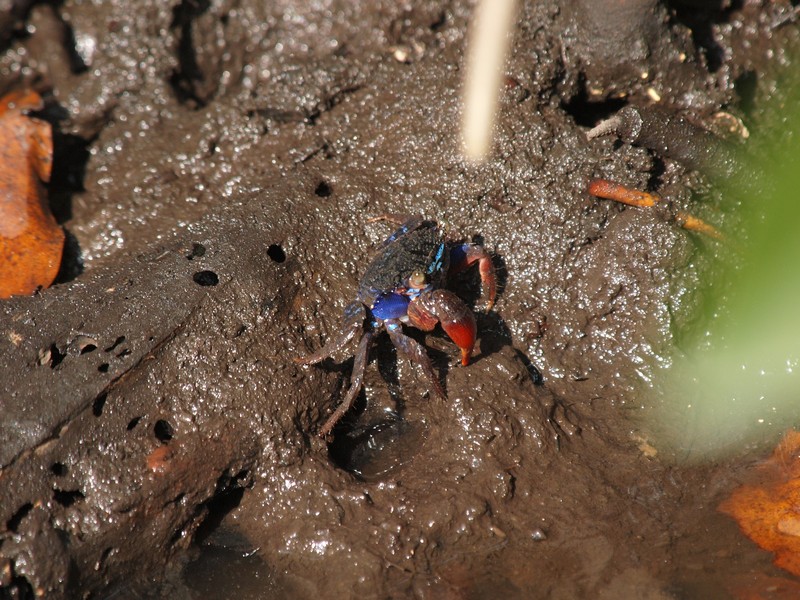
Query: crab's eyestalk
456, 318
417, 280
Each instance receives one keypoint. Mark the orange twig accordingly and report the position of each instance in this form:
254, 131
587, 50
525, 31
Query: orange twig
603, 188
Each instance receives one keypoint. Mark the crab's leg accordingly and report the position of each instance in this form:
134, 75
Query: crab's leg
414, 351
406, 223
463, 255
457, 320
352, 322
356, 381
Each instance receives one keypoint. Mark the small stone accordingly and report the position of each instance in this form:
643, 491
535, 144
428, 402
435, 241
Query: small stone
538, 535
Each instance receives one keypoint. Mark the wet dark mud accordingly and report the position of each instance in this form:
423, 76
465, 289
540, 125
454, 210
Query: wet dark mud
218, 164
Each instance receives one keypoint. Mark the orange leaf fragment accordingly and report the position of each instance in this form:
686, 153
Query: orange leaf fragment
31, 242
158, 459
768, 511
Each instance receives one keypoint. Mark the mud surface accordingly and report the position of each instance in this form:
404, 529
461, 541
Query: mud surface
216, 165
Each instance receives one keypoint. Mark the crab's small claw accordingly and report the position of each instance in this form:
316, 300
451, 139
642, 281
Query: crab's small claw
406, 223
463, 255
444, 307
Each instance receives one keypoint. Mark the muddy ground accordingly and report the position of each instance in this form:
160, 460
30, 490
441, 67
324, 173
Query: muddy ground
216, 165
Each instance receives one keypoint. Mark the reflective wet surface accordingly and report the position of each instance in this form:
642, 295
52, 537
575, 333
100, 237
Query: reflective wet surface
234, 156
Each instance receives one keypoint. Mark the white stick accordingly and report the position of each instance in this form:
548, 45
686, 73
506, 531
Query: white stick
488, 44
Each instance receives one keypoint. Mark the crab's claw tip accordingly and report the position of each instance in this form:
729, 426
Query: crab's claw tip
462, 331
466, 354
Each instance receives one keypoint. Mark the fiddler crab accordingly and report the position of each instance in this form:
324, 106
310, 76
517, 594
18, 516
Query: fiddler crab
404, 284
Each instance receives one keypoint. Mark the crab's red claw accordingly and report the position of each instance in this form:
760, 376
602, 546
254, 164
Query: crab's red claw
455, 317
462, 332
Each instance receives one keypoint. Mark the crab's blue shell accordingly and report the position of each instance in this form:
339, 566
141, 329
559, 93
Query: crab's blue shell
384, 287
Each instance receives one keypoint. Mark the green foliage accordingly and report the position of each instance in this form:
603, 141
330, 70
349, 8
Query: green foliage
745, 388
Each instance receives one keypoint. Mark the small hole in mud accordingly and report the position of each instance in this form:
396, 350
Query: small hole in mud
276, 253
58, 469
67, 498
116, 343
56, 356
589, 113
124, 353
323, 189
103, 368
197, 251
377, 450
82, 344
88, 348
440, 21
98, 405
206, 278
13, 523
163, 430
133, 423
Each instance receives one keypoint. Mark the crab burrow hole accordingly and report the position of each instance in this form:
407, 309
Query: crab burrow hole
276, 253
163, 431
588, 112
59, 469
323, 189
197, 251
99, 404
206, 278
67, 498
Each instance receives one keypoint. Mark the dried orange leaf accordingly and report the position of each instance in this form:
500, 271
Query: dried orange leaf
768, 511
31, 242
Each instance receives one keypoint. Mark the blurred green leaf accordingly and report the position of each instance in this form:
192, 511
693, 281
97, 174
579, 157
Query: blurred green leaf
745, 388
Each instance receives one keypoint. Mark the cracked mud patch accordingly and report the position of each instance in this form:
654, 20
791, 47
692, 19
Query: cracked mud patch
217, 166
